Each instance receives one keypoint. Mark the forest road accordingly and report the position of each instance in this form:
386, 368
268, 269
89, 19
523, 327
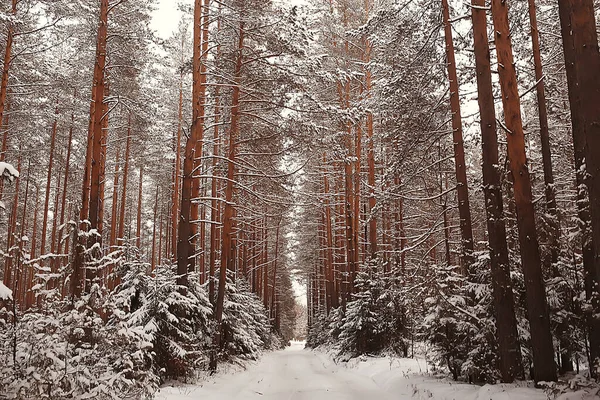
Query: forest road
291, 374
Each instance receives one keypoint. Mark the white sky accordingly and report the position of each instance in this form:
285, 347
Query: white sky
166, 17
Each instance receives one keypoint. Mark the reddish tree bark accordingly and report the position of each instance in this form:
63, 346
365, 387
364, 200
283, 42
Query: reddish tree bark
545, 138
123, 205
506, 324
188, 213
582, 61
138, 232
7, 60
541, 338
228, 211
48, 187
462, 188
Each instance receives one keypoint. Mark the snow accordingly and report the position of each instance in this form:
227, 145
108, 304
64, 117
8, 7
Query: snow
8, 170
301, 374
5, 293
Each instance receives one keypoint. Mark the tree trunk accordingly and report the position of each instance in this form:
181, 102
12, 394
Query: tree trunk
12, 224
506, 323
177, 166
332, 301
462, 187
138, 233
115, 196
214, 209
198, 119
123, 206
96, 123
545, 139
186, 240
65, 184
153, 256
48, 187
7, 60
541, 338
228, 211
582, 61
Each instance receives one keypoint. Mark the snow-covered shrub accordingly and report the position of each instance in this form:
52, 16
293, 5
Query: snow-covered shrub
176, 320
363, 330
319, 331
460, 325
246, 326
68, 351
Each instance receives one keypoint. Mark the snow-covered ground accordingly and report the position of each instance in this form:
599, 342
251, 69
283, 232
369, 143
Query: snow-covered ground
298, 374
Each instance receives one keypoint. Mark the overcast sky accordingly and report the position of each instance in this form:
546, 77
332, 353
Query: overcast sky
166, 17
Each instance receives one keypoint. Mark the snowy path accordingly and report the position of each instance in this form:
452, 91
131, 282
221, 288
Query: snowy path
291, 374
298, 374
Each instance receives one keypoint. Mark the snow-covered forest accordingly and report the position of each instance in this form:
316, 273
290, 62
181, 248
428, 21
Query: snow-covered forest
427, 170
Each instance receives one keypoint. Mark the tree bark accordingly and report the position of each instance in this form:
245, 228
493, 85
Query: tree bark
177, 166
65, 183
228, 211
7, 60
115, 212
506, 323
138, 233
545, 138
541, 338
123, 206
186, 239
582, 61
153, 256
96, 124
199, 105
462, 188
48, 187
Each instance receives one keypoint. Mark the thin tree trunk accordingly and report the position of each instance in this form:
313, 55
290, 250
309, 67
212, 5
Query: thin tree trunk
115, 196
541, 337
123, 206
177, 169
54, 261
27, 269
138, 233
265, 267
12, 226
160, 238
332, 300
65, 184
48, 187
462, 188
103, 151
545, 138
153, 256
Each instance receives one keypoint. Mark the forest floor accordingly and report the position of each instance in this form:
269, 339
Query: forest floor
298, 374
